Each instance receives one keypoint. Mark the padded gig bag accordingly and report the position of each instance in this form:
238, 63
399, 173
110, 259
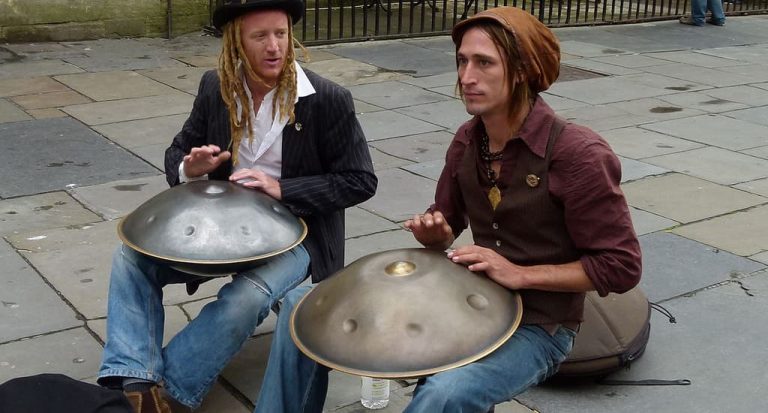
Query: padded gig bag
614, 333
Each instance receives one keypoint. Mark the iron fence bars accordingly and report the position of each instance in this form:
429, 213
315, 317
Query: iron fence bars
334, 21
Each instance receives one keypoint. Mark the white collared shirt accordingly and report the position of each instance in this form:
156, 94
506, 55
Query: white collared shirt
265, 151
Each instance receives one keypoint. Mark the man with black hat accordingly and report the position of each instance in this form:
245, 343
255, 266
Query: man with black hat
547, 215
262, 121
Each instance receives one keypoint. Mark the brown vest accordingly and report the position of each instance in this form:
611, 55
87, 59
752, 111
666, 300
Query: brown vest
527, 227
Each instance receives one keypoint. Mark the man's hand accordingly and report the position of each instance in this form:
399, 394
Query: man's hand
497, 268
203, 160
256, 178
431, 230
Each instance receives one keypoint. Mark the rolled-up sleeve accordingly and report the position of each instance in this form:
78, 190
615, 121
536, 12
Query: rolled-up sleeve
585, 175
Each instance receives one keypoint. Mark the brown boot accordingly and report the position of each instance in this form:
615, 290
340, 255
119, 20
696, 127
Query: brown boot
148, 401
176, 407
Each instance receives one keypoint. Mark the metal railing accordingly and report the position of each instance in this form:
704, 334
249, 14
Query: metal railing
334, 21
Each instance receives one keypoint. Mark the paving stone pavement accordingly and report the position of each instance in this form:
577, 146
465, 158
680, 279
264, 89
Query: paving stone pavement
84, 125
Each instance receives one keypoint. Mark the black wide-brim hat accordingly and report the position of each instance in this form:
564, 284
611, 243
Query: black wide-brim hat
234, 8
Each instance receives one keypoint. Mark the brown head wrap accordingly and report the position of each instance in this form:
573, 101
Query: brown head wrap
538, 46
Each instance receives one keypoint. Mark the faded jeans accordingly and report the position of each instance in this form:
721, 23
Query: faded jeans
294, 383
190, 363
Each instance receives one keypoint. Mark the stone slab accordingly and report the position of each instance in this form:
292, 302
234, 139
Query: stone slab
632, 170
208, 62
143, 132
686, 199
382, 161
703, 101
400, 195
558, 103
106, 61
754, 115
362, 107
715, 130
36, 69
360, 222
52, 154
46, 113
600, 67
417, 148
391, 95
74, 353
696, 58
429, 169
100, 113
29, 86
743, 233
40, 212
603, 117
349, 72
701, 75
760, 152
717, 364
152, 154
359, 247
118, 198
449, 114
246, 370
50, 100
714, 164
175, 320
605, 90
29, 306
428, 82
638, 143
381, 125
84, 281
114, 85
758, 187
185, 79
632, 61
760, 257
656, 109
400, 57
673, 265
577, 48
670, 84
9, 112
748, 95
219, 399
646, 222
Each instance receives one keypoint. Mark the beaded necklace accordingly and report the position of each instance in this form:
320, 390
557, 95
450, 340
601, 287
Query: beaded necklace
488, 157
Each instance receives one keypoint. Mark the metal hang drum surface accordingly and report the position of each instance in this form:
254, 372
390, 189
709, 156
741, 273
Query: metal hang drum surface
404, 313
211, 228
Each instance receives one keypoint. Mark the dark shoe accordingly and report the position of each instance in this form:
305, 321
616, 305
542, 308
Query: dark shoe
148, 401
716, 22
689, 20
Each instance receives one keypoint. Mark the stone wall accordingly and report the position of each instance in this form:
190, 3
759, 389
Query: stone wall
62, 20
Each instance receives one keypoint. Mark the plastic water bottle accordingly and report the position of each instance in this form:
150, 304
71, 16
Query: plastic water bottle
374, 393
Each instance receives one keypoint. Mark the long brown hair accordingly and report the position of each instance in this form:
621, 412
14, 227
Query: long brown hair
233, 62
521, 93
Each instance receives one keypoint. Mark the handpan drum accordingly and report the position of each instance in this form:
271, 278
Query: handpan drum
404, 313
211, 228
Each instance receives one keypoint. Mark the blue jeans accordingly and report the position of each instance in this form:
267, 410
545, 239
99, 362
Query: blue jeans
294, 383
192, 360
699, 10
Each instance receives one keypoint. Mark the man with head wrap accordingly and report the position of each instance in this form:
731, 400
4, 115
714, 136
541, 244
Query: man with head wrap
262, 121
547, 215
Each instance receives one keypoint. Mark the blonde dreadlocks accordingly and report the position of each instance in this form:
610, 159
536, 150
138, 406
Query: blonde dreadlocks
233, 63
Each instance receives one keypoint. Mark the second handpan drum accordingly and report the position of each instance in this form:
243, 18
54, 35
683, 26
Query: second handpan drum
211, 228
404, 313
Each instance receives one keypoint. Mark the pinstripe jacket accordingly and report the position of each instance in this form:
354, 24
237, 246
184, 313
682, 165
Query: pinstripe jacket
326, 164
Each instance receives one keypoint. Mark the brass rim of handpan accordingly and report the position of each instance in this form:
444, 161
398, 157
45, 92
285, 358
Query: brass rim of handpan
408, 374
404, 268
212, 262
175, 260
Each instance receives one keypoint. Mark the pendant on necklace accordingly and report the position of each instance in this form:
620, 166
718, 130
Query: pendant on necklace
494, 196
